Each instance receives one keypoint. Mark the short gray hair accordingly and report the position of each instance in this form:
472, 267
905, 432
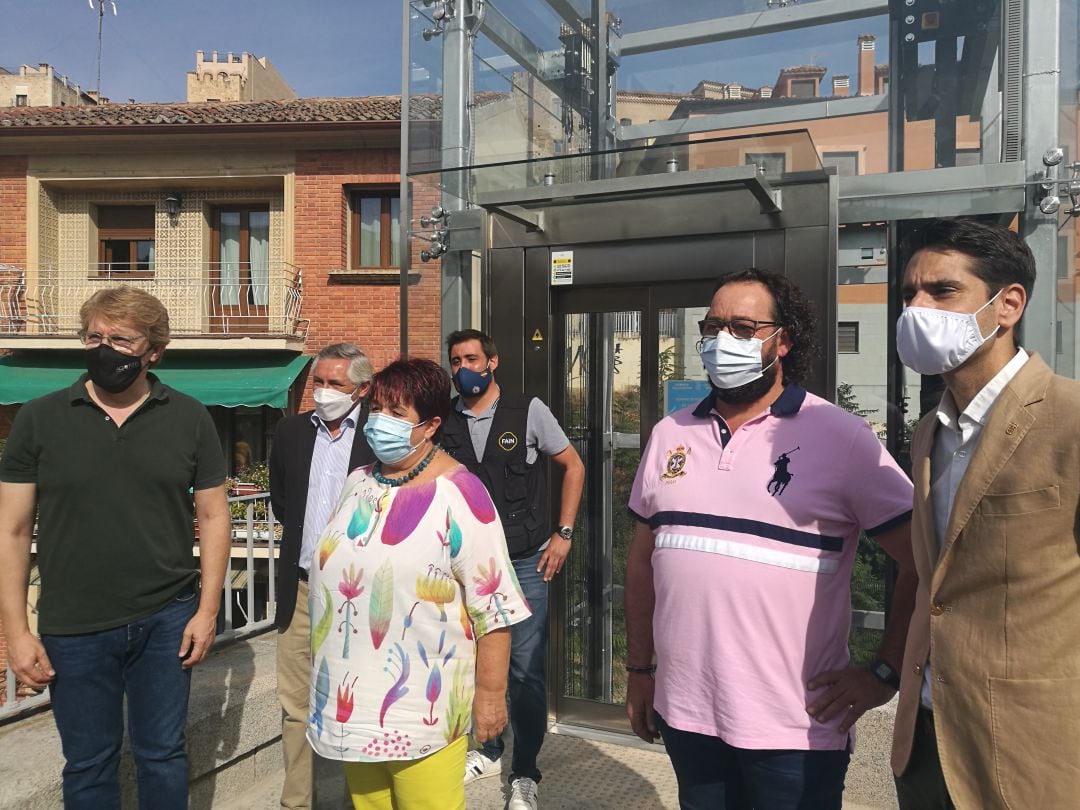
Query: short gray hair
360, 370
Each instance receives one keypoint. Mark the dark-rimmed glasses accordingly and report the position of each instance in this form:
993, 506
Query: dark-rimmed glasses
741, 328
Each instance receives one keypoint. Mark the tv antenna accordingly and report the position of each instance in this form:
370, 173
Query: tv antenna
99, 6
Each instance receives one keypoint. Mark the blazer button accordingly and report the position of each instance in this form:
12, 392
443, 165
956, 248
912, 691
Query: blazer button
937, 609
918, 669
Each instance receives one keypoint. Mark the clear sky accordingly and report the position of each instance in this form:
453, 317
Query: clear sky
353, 47
321, 47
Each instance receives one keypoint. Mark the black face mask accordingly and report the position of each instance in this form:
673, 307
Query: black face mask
111, 370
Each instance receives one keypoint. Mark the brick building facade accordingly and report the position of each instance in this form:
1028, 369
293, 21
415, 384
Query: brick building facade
308, 164
313, 184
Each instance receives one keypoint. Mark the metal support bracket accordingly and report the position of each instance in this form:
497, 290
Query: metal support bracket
765, 194
532, 220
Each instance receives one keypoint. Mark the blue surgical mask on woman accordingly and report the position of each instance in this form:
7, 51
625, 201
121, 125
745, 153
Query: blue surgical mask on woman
390, 438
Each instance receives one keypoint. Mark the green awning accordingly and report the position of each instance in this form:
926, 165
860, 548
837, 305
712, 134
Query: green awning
231, 379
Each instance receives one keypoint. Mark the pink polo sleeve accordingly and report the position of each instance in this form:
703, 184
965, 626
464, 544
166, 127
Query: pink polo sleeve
879, 494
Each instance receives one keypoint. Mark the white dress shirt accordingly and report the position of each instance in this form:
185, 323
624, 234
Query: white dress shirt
329, 469
955, 442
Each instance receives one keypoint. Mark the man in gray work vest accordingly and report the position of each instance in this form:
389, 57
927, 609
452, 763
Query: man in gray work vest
501, 437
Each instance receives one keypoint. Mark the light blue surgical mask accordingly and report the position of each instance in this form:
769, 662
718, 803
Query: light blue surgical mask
730, 361
389, 437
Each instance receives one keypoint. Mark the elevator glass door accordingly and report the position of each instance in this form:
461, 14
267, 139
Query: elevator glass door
624, 357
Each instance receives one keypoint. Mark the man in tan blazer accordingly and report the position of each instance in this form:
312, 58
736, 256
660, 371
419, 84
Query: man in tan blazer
989, 707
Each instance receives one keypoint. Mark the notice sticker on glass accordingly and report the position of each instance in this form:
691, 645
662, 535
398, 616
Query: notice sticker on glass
562, 267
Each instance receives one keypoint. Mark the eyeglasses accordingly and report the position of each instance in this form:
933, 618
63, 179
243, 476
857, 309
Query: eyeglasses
122, 343
741, 328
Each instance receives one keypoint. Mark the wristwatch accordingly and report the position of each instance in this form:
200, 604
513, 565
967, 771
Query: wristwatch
884, 672
566, 532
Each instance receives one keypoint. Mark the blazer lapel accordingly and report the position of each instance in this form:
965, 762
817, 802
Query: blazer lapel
306, 450
924, 545
361, 454
1010, 419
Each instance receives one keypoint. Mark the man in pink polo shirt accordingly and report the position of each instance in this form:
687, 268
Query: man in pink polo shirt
749, 509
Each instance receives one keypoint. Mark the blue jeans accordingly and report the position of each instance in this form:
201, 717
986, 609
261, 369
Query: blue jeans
94, 671
527, 680
713, 775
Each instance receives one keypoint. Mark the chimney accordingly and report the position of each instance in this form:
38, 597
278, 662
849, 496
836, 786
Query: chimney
866, 64
840, 85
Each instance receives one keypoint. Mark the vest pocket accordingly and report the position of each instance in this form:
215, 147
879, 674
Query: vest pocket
1036, 738
517, 489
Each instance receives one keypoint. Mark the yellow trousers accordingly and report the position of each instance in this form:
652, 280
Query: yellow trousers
435, 782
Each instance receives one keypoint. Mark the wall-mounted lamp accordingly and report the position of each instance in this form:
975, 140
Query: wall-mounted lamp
1057, 183
434, 251
442, 12
172, 206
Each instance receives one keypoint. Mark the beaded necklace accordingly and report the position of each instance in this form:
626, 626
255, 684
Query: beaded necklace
376, 471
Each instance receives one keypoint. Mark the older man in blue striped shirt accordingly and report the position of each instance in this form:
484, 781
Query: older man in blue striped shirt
312, 454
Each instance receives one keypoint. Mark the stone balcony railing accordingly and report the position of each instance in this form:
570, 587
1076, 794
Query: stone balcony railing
211, 300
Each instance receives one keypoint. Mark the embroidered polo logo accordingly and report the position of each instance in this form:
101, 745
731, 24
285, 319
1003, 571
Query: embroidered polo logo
508, 441
676, 463
781, 474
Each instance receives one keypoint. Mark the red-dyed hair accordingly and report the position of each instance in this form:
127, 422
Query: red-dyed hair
420, 383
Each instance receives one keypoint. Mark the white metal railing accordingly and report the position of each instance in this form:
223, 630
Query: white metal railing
213, 299
249, 594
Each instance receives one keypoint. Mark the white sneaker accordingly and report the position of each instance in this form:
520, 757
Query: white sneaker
523, 794
479, 766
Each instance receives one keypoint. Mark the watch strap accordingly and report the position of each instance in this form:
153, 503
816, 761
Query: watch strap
885, 672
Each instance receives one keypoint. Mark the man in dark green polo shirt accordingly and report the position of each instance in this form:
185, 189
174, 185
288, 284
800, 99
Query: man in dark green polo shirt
109, 466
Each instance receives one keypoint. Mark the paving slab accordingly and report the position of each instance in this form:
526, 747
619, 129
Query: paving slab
597, 771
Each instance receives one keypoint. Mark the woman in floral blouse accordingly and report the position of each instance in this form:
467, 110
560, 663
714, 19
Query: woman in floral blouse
410, 604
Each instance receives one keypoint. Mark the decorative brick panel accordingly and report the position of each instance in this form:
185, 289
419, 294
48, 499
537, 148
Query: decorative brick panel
181, 251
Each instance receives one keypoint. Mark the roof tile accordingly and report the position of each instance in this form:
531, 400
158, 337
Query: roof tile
304, 110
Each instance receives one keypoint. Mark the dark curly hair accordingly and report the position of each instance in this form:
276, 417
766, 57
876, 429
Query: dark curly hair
793, 311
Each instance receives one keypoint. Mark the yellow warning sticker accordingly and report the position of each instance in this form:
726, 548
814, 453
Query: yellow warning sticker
562, 267
537, 335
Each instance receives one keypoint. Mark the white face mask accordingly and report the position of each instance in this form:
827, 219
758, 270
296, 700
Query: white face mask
934, 341
731, 362
331, 405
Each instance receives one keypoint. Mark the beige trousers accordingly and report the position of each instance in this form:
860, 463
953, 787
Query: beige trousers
293, 685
